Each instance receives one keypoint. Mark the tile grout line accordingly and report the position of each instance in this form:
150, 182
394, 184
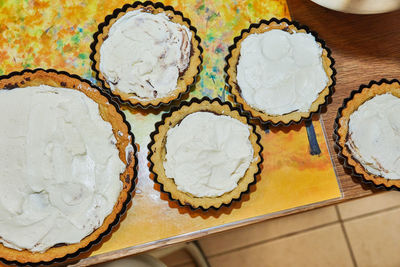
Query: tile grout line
197, 243
273, 239
346, 237
370, 213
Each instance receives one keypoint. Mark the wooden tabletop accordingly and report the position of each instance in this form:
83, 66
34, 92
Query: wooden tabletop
365, 48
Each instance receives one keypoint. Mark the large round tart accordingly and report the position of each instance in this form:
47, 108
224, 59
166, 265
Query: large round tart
66, 177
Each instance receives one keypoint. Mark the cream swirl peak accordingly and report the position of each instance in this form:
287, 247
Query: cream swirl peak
374, 135
144, 54
59, 166
279, 72
207, 154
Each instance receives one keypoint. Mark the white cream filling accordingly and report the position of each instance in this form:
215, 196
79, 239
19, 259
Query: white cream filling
279, 72
207, 154
59, 167
145, 53
374, 135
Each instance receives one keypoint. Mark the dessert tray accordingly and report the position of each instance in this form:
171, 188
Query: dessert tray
297, 169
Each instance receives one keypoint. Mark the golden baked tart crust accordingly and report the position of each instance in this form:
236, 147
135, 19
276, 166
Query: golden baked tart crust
184, 81
351, 104
110, 113
231, 71
157, 153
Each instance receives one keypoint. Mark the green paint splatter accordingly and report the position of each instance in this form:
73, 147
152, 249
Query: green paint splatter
213, 16
75, 39
250, 7
59, 45
82, 56
210, 37
218, 50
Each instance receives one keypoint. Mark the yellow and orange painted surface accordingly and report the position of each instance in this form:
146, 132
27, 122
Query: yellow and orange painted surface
57, 34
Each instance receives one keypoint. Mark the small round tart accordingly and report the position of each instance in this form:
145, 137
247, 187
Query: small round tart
205, 154
146, 54
68, 166
279, 71
367, 133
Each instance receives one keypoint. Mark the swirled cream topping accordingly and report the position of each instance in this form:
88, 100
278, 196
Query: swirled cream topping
374, 135
207, 154
145, 53
279, 72
59, 167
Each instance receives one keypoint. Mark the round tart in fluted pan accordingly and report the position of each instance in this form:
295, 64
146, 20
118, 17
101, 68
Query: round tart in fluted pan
205, 154
279, 71
146, 54
367, 133
68, 166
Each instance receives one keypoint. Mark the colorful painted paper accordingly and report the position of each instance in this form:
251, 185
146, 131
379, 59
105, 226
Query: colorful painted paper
297, 168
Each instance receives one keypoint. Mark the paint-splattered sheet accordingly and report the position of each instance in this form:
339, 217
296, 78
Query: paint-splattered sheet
57, 34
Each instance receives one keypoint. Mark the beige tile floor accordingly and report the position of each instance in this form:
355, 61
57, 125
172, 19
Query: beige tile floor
362, 232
